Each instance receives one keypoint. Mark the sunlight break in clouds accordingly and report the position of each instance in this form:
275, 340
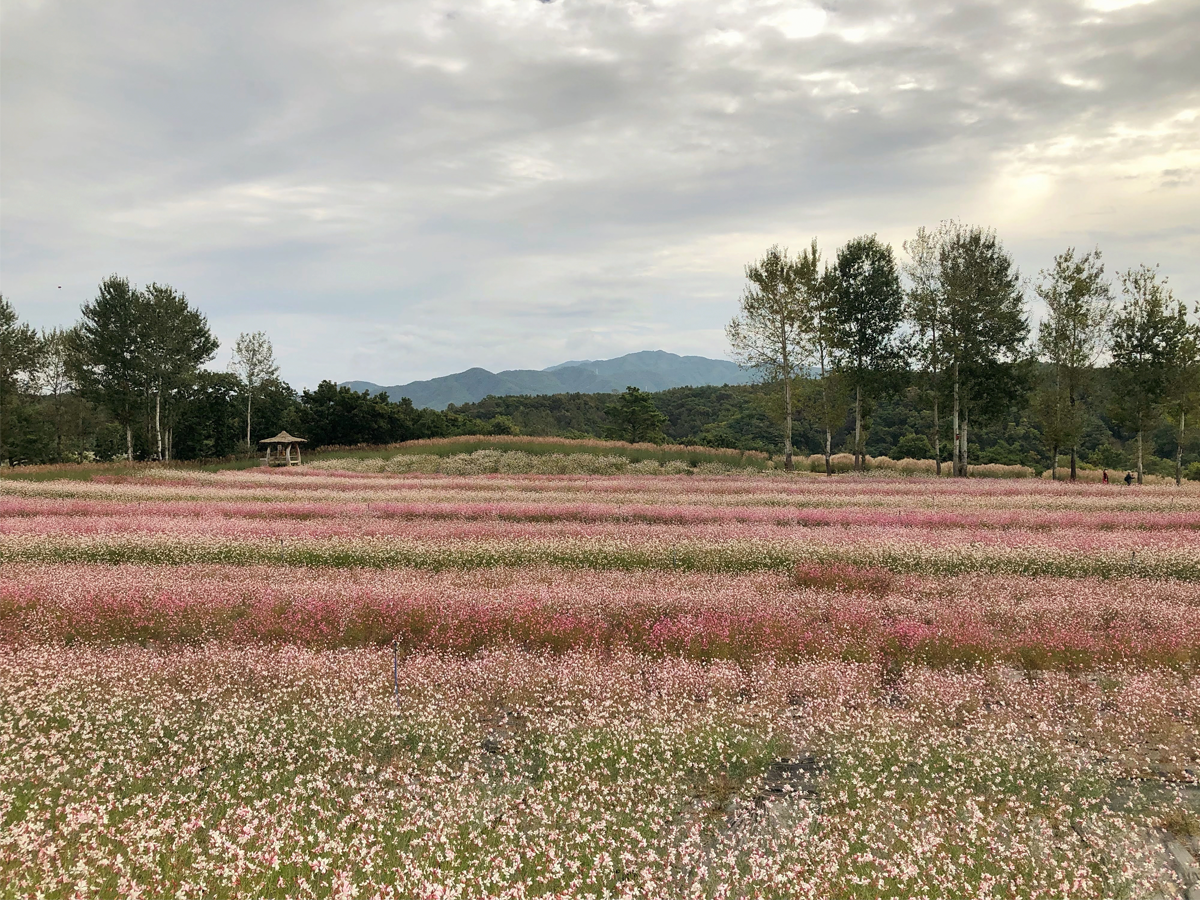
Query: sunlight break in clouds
804, 22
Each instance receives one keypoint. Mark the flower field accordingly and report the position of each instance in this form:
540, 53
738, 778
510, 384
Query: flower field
313, 683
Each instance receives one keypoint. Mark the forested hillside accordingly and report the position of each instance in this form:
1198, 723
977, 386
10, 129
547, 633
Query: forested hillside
746, 417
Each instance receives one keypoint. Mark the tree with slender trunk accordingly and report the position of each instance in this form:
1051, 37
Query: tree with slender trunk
20, 357
1050, 410
177, 342
925, 309
253, 363
866, 318
1143, 336
1183, 379
766, 335
1079, 302
108, 352
984, 329
822, 394
56, 379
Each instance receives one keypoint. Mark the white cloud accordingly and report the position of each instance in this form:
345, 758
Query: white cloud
1114, 5
801, 22
397, 190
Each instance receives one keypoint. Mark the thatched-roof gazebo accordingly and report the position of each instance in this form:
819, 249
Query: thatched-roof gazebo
284, 446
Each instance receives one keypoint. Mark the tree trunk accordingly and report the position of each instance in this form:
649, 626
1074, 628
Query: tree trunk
787, 423
964, 444
955, 469
1054, 460
937, 437
1074, 433
129, 442
825, 416
1179, 451
249, 447
58, 428
860, 464
158, 421
1139, 449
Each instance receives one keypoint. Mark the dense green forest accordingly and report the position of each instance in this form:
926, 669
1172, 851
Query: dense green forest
746, 417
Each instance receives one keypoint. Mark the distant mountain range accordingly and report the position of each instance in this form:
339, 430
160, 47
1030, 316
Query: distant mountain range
650, 370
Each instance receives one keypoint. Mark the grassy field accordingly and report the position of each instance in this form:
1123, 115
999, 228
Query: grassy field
318, 683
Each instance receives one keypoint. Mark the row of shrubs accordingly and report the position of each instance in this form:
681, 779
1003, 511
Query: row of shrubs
884, 465
518, 462
451, 446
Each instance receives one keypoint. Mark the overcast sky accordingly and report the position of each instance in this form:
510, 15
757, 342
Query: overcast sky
400, 190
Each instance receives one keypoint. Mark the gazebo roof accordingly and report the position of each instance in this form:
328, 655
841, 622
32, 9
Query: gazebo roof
284, 438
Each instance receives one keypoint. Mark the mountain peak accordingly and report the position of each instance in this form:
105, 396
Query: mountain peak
650, 370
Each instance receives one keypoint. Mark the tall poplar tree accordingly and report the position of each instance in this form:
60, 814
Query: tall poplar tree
1144, 333
254, 364
925, 311
823, 394
984, 328
57, 384
1079, 301
20, 353
866, 317
176, 342
767, 334
1183, 381
107, 352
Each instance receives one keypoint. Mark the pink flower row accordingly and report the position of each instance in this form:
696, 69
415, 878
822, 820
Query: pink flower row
374, 515
148, 526
1041, 622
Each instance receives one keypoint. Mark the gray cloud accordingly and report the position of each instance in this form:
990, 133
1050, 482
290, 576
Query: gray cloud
400, 190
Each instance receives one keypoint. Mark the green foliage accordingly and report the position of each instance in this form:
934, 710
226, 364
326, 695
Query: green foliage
1106, 456
984, 324
867, 312
107, 352
634, 418
1150, 337
339, 415
1079, 301
562, 415
912, 446
770, 333
865, 317
20, 355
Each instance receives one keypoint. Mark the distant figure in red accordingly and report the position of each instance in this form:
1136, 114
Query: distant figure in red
1104, 477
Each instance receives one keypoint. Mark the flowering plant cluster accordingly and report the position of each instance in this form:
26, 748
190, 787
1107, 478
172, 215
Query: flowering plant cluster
395, 684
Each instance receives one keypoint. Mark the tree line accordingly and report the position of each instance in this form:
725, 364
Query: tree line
949, 325
129, 380
931, 356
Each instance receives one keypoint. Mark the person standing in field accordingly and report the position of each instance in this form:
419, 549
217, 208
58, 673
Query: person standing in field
1104, 477
1128, 478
